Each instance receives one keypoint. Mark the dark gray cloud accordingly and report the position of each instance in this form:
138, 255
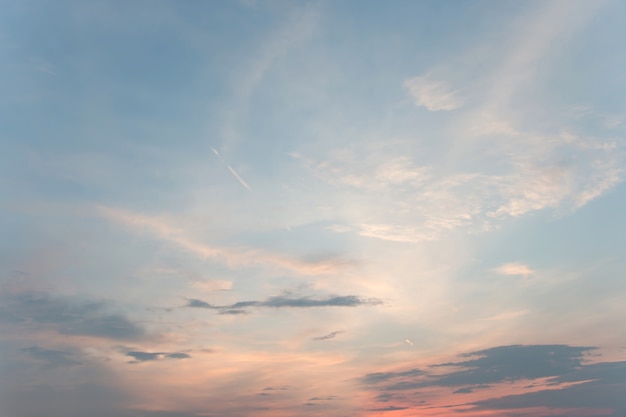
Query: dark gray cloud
67, 315
377, 377
51, 358
329, 335
384, 397
514, 363
234, 312
503, 363
389, 408
469, 390
594, 394
284, 301
283, 388
139, 356
598, 385
195, 303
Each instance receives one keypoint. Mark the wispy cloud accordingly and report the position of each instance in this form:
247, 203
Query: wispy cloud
231, 169
212, 285
298, 26
432, 94
515, 268
426, 203
330, 335
281, 301
236, 257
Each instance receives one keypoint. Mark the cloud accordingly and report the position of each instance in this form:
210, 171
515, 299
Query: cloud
389, 408
563, 380
213, 285
515, 268
329, 335
597, 397
232, 170
69, 316
469, 390
195, 303
234, 312
395, 233
434, 95
57, 399
300, 24
282, 301
378, 377
513, 363
239, 257
51, 358
283, 388
365, 169
139, 356
534, 172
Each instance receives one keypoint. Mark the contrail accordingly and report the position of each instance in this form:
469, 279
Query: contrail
232, 170
241, 181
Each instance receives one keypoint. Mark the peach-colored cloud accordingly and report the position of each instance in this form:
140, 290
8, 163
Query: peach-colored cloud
515, 268
234, 257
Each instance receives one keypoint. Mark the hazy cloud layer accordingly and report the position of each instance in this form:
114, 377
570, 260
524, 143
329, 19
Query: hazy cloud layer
51, 358
462, 163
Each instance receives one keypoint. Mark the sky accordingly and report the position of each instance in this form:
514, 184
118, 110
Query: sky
312, 208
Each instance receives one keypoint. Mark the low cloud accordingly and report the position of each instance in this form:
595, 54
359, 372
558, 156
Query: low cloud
139, 356
329, 335
562, 380
378, 377
51, 358
389, 408
282, 301
69, 316
469, 390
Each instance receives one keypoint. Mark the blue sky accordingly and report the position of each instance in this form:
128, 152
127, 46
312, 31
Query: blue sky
312, 208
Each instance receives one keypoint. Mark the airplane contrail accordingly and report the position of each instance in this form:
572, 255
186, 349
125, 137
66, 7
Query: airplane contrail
232, 170
241, 181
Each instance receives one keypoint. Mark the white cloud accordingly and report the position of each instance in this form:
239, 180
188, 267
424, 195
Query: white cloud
213, 285
394, 199
434, 95
367, 169
515, 268
395, 233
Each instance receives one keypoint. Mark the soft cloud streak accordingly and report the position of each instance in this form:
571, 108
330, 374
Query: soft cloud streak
515, 268
434, 95
234, 257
